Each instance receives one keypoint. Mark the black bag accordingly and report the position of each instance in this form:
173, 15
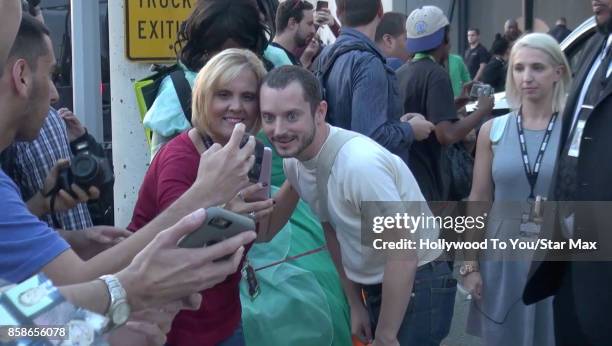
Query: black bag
461, 166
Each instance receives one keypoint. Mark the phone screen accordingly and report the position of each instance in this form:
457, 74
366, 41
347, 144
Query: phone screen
322, 4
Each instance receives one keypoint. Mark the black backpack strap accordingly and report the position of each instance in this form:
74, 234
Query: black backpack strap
183, 90
325, 65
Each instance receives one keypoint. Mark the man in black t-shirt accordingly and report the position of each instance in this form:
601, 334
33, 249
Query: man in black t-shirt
426, 89
477, 56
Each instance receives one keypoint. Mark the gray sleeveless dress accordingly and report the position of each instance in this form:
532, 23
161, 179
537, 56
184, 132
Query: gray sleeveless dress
501, 318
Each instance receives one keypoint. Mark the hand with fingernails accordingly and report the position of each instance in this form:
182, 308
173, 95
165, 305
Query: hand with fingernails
244, 203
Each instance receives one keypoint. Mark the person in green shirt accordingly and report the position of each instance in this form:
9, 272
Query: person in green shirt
458, 72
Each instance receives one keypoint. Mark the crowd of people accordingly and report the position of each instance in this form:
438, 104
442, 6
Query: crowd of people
377, 116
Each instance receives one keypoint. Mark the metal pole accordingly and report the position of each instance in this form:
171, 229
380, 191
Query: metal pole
528, 14
130, 149
462, 24
86, 75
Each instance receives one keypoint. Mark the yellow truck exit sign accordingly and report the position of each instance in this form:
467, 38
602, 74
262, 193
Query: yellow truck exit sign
151, 27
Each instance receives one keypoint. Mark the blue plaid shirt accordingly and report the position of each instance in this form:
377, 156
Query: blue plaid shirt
32, 162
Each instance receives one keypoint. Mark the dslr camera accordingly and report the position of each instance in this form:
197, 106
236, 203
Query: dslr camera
481, 89
86, 169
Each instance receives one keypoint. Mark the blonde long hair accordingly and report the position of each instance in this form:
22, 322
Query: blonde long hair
548, 45
222, 69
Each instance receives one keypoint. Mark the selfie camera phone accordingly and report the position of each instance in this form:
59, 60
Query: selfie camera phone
255, 171
265, 177
322, 4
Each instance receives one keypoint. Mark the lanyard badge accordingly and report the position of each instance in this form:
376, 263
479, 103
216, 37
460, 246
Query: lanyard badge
248, 273
531, 221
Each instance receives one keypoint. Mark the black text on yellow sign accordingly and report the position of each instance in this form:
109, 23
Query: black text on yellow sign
152, 26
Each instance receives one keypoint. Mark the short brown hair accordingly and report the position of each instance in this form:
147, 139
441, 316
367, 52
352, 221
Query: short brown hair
281, 77
291, 9
357, 12
392, 23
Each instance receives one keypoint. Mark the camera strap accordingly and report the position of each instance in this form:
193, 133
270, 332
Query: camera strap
532, 174
52, 194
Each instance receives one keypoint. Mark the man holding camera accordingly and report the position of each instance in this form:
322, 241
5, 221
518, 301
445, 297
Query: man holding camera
150, 269
426, 89
29, 164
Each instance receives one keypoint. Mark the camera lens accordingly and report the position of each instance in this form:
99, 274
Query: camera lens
220, 222
84, 169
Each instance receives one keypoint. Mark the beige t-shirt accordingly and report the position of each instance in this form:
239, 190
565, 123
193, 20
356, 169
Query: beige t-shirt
363, 171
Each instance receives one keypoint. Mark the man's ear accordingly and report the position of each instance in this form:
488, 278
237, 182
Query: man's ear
21, 75
292, 23
321, 112
388, 40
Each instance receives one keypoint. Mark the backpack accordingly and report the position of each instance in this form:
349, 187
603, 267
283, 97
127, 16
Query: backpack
147, 89
325, 163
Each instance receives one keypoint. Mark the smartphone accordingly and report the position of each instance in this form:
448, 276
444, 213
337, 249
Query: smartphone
219, 225
322, 4
481, 89
265, 177
255, 171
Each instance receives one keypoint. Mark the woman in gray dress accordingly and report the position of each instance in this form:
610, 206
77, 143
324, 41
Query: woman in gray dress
515, 159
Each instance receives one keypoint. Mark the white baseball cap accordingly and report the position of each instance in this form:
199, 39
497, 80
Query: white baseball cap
425, 29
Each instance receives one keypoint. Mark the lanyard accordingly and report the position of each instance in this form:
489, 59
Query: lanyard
421, 56
532, 175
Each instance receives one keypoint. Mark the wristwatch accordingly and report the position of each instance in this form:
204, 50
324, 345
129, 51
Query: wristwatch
465, 269
118, 311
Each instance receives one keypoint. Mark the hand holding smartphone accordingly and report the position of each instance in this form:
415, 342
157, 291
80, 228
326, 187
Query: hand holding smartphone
220, 224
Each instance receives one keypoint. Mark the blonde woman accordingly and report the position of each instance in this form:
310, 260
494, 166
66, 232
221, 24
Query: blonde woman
226, 93
536, 87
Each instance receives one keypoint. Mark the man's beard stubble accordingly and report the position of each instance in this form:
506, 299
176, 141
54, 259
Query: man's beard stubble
308, 139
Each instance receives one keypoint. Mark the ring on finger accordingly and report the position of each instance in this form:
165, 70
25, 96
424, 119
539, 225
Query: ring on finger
252, 215
241, 196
